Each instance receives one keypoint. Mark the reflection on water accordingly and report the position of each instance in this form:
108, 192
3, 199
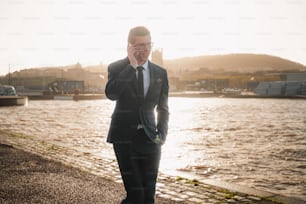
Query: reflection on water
256, 142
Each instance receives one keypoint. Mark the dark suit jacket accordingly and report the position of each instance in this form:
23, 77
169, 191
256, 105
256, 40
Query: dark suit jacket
122, 87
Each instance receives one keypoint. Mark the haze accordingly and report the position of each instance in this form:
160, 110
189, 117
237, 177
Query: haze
59, 32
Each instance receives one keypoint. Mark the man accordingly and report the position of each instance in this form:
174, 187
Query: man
140, 88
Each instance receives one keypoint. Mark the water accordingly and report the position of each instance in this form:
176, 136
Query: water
259, 143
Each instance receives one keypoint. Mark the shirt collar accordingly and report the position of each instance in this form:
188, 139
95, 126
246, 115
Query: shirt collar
146, 65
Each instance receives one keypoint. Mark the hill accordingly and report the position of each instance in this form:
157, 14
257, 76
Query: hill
235, 63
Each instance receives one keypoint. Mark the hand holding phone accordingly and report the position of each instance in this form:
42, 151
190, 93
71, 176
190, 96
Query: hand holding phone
132, 55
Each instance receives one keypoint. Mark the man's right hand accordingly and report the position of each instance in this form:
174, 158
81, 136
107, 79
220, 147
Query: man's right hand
131, 55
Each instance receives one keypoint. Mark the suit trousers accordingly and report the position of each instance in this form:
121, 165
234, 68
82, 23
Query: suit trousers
138, 162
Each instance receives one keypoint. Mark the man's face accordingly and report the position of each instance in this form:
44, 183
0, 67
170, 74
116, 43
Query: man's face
142, 45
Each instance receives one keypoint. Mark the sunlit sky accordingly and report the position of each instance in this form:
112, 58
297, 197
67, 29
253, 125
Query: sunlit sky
36, 33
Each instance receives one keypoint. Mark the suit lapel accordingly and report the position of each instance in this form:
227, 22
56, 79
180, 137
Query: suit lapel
134, 81
135, 84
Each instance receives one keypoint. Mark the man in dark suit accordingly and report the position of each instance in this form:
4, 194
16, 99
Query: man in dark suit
140, 89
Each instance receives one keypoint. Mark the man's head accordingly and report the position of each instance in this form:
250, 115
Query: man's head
140, 38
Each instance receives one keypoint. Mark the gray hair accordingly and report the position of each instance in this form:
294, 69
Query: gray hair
137, 31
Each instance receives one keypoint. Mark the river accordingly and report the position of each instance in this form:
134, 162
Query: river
259, 143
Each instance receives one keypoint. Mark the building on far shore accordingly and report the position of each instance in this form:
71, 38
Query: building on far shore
300, 76
295, 85
157, 57
61, 86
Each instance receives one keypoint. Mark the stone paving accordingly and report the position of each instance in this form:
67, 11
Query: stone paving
179, 189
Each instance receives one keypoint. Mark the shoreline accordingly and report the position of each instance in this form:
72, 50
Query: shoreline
177, 189
187, 94
223, 95
30, 178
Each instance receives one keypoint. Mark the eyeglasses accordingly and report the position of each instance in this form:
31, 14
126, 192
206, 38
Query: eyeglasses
143, 45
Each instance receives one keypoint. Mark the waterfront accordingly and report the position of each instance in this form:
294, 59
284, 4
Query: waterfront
255, 142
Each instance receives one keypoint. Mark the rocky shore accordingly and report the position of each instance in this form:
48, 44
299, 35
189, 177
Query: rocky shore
34, 171
29, 178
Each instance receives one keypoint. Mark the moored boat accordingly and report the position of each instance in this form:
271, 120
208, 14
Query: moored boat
9, 97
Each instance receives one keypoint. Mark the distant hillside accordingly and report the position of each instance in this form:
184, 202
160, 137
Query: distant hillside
235, 63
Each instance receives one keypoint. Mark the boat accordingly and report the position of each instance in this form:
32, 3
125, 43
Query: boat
9, 97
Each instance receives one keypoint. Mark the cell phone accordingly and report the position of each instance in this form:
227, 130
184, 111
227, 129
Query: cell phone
136, 54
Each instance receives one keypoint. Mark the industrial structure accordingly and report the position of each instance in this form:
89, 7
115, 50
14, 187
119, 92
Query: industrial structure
295, 85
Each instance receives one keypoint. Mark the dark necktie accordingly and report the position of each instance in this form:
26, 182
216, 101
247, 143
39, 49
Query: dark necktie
140, 84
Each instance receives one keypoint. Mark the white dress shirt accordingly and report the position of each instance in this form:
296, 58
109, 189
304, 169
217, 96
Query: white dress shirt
146, 77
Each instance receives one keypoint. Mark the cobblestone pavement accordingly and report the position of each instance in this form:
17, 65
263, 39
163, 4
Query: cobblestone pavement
177, 189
